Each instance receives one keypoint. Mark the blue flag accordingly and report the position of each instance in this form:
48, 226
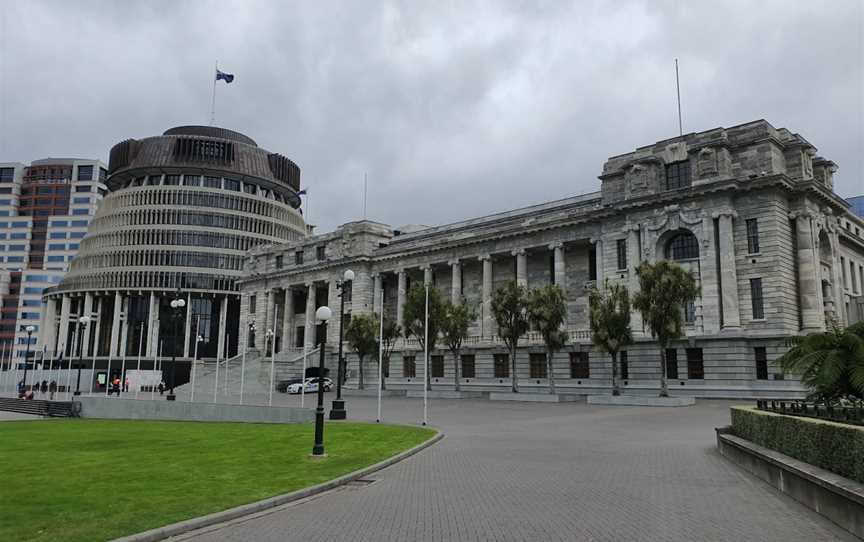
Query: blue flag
227, 77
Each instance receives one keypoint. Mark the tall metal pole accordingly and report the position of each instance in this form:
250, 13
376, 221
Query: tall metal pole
213, 103
27, 355
140, 344
337, 411
195, 356
380, 357
272, 333
318, 448
426, 362
678, 90
75, 338
93, 367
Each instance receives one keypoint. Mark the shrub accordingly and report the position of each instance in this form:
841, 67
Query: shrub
835, 447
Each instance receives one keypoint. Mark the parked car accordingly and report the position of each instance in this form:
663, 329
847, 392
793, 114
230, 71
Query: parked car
282, 385
311, 385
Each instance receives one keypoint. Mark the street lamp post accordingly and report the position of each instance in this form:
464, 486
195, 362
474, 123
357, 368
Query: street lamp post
321, 315
252, 329
338, 410
83, 321
270, 338
29, 330
177, 305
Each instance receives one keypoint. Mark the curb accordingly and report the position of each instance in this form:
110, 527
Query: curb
174, 529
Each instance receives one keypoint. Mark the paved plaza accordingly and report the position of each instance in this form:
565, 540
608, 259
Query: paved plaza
538, 472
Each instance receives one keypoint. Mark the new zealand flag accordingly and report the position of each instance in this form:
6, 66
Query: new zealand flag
227, 77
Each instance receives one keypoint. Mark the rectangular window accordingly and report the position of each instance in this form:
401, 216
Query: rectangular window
843, 268
752, 236
579, 366
80, 211
19, 224
279, 262
756, 299
467, 365
80, 200
78, 223
502, 365
249, 188
625, 366
7, 174
678, 175
437, 366
56, 246
77, 234
592, 262
172, 180
320, 253
695, 367
253, 304
761, 356
55, 258
409, 367
537, 365
18, 235
298, 257
85, 173
58, 235
690, 313
671, 363
621, 245
213, 182
191, 180
73, 246
85, 188
231, 184
854, 276
59, 223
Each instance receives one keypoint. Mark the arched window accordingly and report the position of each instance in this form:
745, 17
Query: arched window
682, 246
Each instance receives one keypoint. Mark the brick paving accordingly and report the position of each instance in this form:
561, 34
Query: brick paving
511, 471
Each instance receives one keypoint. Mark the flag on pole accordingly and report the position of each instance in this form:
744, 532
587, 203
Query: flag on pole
227, 77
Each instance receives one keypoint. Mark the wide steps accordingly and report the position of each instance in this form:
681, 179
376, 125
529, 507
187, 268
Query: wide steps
54, 409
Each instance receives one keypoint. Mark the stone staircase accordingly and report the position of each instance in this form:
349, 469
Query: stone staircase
54, 409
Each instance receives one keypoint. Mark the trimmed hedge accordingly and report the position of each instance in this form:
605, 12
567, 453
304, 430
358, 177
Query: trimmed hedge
833, 446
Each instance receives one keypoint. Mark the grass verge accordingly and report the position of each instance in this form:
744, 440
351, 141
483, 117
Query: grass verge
76, 480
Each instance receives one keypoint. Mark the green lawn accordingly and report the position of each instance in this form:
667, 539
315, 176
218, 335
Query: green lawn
69, 480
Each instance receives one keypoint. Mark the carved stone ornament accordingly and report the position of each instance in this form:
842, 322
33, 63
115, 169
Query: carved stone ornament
707, 163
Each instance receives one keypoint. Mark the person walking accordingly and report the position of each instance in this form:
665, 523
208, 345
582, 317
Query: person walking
126, 385
161, 387
43, 389
115, 385
52, 388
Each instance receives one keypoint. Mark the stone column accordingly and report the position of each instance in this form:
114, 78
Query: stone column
334, 302
838, 270
124, 326
812, 314
288, 320
598, 257
634, 258
427, 275
269, 317
98, 323
728, 273
48, 332
187, 329
486, 305
362, 295
400, 297
521, 267
455, 282
151, 313
377, 293
154, 337
63, 332
558, 264
243, 324
221, 351
88, 310
115, 324
309, 338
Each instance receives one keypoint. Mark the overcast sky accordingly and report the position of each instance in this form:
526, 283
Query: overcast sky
453, 109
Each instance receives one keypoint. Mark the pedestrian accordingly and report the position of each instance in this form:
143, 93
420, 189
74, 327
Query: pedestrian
44, 387
161, 387
21, 389
126, 385
52, 389
116, 386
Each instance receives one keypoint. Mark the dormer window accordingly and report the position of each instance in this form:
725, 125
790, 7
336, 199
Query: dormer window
678, 175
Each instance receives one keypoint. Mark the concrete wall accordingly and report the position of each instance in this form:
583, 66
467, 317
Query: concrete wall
131, 409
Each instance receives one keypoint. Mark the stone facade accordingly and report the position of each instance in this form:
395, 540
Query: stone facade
749, 210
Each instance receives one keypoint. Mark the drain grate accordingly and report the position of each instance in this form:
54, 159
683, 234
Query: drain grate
360, 482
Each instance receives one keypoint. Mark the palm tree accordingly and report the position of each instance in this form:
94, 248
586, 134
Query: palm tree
361, 334
664, 288
454, 329
510, 309
609, 315
547, 312
831, 364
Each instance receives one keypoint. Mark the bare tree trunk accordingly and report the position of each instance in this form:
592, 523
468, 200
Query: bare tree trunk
513, 377
615, 389
361, 373
456, 368
664, 388
551, 372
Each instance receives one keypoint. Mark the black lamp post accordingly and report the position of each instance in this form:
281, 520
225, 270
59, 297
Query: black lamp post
177, 305
337, 410
82, 322
321, 315
29, 330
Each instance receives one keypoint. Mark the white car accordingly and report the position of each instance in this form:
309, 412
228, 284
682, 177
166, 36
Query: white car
311, 385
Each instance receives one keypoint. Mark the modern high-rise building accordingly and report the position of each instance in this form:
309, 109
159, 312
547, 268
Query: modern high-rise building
182, 210
45, 209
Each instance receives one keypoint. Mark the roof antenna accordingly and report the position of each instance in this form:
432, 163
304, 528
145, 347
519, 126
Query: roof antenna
678, 89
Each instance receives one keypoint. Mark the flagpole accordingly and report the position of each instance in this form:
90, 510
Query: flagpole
380, 356
426, 360
213, 103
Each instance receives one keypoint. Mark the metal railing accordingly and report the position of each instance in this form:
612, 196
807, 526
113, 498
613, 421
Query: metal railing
849, 414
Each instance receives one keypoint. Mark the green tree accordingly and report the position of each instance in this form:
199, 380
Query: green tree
391, 333
415, 319
664, 288
362, 335
547, 312
510, 310
454, 329
609, 316
831, 364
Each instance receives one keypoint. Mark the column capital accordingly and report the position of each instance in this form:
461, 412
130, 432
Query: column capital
731, 213
556, 244
484, 257
517, 252
425, 266
595, 240
399, 271
802, 213
455, 261
309, 284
